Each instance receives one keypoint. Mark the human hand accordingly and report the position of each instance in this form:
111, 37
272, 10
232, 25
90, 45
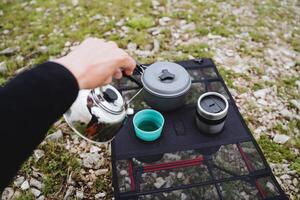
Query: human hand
94, 62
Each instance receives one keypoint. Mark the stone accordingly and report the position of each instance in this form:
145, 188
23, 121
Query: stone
100, 195
79, 194
159, 182
92, 160
101, 172
38, 153
179, 175
94, 149
17, 194
25, 185
96, 17
261, 93
295, 102
42, 197
18, 181
164, 21
35, 183
123, 173
3, 67
69, 192
285, 177
286, 113
75, 2
295, 182
35, 192
43, 49
55, 136
183, 196
131, 46
68, 43
7, 193
262, 102
10, 50
270, 186
189, 27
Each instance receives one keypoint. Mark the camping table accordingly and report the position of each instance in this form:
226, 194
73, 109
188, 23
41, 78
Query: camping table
184, 163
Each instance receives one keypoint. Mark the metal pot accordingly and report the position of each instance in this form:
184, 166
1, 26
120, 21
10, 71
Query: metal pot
165, 85
97, 115
211, 114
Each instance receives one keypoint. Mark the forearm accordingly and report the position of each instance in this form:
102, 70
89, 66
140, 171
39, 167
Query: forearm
29, 105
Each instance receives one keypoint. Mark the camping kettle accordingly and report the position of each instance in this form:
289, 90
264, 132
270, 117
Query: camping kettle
97, 114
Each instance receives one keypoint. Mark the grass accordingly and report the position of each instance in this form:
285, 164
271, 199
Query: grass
53, 23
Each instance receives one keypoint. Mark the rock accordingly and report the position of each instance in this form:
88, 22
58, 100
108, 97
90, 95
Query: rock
229, 53
94, 149
41, 197
96, 17
101, 172
35, 192
43, 49
68, 44
183, 196
9, 51
38, 154
69, 192
159, 182
75, 2
79, 194
3, 67
179, 175
295, 182
131, 47
35, 183
92, 160
189, 27
100, 195
262, 102
25, 185
7, 193
261, 93
295, 102
270, 186
281, 139
285, 177
55, 136
123, 173
164, 21
18, 182
286, 113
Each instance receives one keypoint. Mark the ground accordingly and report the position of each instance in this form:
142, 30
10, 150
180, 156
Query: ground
255, 44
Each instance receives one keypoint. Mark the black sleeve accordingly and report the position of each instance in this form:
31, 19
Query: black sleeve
29, 105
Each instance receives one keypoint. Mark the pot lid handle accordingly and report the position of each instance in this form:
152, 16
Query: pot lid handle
109, 95
166, 75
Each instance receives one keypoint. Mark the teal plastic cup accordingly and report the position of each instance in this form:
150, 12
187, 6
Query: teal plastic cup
148, 124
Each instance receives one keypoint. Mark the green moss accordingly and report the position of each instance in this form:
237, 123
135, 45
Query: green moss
25, 196
258, 36
275, 152
198, 50
55, 166
141, 23
202, 31
221, 30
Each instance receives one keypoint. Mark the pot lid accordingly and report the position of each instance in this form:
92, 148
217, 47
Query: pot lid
108, 98
212, 105
166, 79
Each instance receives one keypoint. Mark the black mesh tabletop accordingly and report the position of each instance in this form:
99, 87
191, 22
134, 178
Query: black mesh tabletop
185, 163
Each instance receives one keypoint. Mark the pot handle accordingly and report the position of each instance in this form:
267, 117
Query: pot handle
166, 75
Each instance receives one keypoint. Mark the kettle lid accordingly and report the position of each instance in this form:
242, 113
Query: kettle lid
108, 98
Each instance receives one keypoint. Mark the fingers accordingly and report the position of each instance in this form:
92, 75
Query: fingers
118, 74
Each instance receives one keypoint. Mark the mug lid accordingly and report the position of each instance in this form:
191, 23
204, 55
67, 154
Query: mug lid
212, 105
108, 98
166, 79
